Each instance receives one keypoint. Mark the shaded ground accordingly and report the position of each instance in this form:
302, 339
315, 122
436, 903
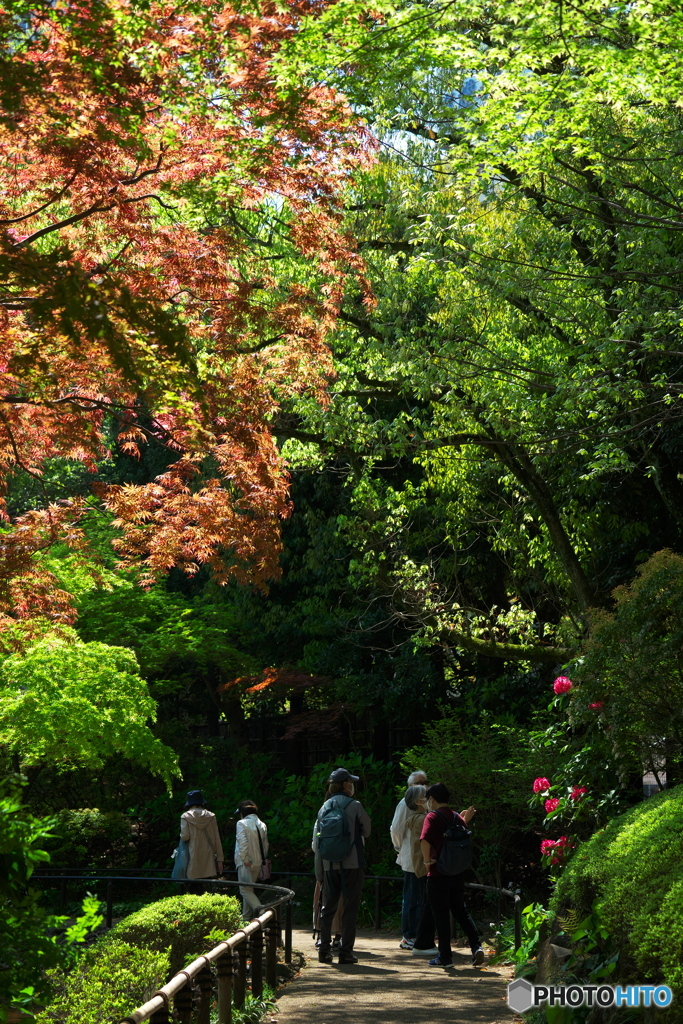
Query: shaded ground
389, 986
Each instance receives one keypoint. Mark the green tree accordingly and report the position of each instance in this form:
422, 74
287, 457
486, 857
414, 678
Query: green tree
517, 386
65, 703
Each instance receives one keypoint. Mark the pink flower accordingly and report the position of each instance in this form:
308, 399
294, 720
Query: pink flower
577, 793
556, 848
598, 706
551, 805
541, 784
562, 685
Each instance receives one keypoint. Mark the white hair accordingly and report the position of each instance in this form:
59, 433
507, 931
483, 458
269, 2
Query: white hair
416, 775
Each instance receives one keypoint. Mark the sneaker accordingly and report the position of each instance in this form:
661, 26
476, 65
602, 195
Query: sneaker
438, 962
325, 958
478, 956
406, 944
336, 943
424, 952
348, 958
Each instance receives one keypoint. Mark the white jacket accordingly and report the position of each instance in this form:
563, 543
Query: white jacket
400, 837
247, 848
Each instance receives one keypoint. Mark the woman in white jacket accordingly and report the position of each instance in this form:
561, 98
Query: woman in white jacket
251, 849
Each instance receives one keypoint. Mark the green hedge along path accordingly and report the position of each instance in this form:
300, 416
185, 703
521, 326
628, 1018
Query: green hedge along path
634, 868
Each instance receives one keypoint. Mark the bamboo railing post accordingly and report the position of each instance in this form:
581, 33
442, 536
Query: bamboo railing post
183, 1003
161, 1016
205, 980
224, 973
241, 979
257, 963
271, 954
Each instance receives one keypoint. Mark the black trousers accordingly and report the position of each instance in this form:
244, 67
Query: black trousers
351, 889
446, 896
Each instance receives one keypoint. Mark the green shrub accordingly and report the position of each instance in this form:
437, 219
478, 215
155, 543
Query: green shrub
493, 767
634, 867
110, 980
91, 838
136, 957
180, 924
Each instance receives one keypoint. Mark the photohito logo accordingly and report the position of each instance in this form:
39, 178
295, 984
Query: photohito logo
523, 996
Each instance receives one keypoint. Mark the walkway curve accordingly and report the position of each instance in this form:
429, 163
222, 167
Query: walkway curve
390, 986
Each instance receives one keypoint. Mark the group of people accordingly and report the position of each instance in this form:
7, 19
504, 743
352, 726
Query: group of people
418, 829
199, 828
430, 896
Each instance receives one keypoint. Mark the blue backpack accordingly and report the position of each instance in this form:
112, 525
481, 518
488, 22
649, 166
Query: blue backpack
335, 841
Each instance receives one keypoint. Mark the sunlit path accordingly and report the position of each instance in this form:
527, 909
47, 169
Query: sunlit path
388, 985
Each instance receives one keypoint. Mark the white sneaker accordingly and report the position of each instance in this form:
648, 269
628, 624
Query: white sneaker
425, 952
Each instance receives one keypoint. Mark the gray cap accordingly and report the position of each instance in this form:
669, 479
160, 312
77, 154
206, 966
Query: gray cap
342, 775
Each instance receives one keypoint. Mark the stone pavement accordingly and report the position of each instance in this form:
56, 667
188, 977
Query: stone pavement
390, 986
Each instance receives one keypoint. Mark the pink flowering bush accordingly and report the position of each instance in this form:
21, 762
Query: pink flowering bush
577, 792
557, 849
597, 706
541, 785
562, 685
551, 805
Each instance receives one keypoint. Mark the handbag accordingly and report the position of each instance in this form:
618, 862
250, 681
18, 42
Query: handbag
181, 859
264, 871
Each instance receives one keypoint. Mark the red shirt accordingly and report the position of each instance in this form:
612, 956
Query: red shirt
435, 824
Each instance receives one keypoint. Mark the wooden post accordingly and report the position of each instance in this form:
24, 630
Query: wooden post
257, 963
241, 979
271, 954
224, 973
205, 981
183, 1003
288, 933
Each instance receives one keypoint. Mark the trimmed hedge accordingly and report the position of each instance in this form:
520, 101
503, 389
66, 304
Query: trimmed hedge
136, 957
635, 867
179, 923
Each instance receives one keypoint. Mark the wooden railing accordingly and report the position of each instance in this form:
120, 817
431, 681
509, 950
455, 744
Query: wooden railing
223, 968
192, 988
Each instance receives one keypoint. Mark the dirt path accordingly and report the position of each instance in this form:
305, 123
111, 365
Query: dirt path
389, 986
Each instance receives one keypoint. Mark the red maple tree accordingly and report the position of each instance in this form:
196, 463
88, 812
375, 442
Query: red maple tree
158, 188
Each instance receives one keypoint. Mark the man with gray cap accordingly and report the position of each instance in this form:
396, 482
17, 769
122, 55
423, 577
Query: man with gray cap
339, 834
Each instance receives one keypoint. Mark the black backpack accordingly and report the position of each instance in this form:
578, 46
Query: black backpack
456, 852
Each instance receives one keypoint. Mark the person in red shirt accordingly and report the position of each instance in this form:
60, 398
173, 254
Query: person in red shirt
446, 893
